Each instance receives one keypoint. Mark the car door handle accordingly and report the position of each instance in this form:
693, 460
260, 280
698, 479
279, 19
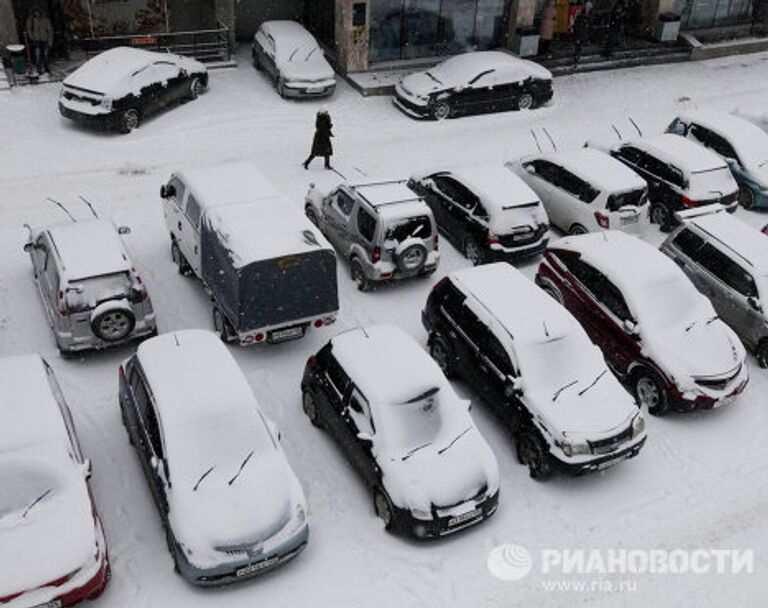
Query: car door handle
179, 225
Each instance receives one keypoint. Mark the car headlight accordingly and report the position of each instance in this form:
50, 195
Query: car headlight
573, 447
638, 425
420, 513
106, 103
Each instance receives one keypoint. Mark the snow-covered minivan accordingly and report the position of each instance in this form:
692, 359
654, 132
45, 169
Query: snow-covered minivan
531, 361
585, 190
231, 505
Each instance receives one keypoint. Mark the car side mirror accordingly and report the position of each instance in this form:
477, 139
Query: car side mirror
755, 304
29, 247
123, 230
630, 327
167, 191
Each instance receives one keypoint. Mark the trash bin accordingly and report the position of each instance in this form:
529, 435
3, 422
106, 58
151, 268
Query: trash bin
526, 41
18, 61
667, 27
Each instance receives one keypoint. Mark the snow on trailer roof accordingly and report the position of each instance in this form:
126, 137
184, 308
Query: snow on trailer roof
89, 248
599, 169
217, 185
679, 150
513, 300
264, 230
29, 414
741, 238
499, 188
386, 364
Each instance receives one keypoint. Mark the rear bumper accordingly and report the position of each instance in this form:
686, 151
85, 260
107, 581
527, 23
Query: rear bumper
106, 120
70, 343
511, 254
599, 462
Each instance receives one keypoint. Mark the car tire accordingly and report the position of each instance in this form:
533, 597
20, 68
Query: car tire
196, 87
442, 353
178, 258
311, 215
761, 354
651, 392
222, 326
533, 452
660, 215
382, 505
525, 102
280, 87
411, 258
473, 252
256, 61
577, 229
309, 405
129, 120
113, 324
746, 197
125, 424
357, 271
442, 110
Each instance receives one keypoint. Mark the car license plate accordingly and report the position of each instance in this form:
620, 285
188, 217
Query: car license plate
250, 569
609, 463
725, 401
315, 89
281, 335
51, 604
460, 519
632, 219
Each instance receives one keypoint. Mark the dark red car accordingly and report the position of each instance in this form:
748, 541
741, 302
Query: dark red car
52, 546
657, 332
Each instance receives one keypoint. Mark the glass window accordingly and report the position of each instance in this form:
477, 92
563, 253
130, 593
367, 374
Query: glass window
728, 271
360, 412
458, 25
343, 203
498, 356
386, 23
689, 243
489, 26
420, 24
611, 298
366, 224
414, 227
452, 300
336, 375
178, 189
193, 211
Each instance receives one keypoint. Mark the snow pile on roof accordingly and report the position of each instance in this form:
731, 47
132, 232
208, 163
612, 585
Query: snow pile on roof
89, 248
463, 68
385, 193
749, 140
687, 155
598, 169
741, 238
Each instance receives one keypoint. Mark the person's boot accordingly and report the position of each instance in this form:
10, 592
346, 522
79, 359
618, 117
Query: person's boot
305, 164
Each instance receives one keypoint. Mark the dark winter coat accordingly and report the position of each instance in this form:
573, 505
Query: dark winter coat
321, 144
581, 26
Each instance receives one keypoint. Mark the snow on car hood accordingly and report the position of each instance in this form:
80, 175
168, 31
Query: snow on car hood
58, 534
313, 69
420, 84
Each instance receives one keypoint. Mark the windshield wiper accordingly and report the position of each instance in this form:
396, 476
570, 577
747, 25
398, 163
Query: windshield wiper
459, 436
412, 451
561, 389
310, 54
203, 476
242, 466
293, 54
37, 500
690, 325
711, 320
437, 80
595, 381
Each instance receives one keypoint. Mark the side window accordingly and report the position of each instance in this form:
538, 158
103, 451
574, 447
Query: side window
701, 134
66, 414
146, 411
360, 412
722, 147
728, 271
545, 170
586, 274
689, 243
473, 328
343, 203
498, 356
480, 212
179, 189
366, 224
153, 429
336, 376
193, 211
457, 192
452, 300
484, 79
611, 297
49, 267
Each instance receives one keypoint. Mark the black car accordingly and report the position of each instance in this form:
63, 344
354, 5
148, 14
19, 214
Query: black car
474, 83
487, 213
120, 87
402, 426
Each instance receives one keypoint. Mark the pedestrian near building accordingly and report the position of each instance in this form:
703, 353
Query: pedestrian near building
10, 75
615, 28
39, 32
581, 31
547, 27
321, 143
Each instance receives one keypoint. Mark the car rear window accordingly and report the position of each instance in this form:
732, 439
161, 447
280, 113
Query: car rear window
88, 293
415, 227
634, 197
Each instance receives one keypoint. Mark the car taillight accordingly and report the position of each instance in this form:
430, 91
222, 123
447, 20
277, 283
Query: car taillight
602, 220
688, 202
318, 323
121, 372
491, 238
63, 311
312, 361
259, 337
376, 255
765, 229
436, 242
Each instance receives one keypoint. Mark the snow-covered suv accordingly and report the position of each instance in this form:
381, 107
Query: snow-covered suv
384, 229
90, 289
535, 366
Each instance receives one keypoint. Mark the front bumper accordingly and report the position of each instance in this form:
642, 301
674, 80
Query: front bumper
445, 526
303, 91
684, 402
410, 108
601, 462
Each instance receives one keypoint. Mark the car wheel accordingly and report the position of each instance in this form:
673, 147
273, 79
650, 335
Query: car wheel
195, 88
659, 214
179, 259
256, 61
577, 229
651, 392
746, 197
473, 252
384, 510
552, 291
311, 214
441, 110
129, 120
525, 102
309, 405
443, 355
281, 88
358, 275
222, 326
532, 451
761, 354
113, 324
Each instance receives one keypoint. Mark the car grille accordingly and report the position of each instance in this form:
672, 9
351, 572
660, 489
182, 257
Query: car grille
603, 446
718, 383
520, 239
479, 496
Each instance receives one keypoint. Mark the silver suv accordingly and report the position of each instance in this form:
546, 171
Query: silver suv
727, 260
384, 229
89, 286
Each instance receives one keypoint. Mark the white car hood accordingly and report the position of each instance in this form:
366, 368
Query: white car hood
421, 85
315, 69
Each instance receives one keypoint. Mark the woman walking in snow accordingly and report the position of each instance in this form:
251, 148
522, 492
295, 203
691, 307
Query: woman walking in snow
321, 144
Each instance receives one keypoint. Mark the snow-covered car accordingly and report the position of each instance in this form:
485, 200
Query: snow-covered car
529, 359
405, 430
120, 87
91, 291
385, 230
270, 273
230, 503
742, 144
474, 83
656, 330
52, 546
680, 175
586, 190
727, 260
290, 55
487, 212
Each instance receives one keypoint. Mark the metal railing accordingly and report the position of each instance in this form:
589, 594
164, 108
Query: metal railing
203, 45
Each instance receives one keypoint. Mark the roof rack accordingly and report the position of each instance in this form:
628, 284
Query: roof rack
375, 205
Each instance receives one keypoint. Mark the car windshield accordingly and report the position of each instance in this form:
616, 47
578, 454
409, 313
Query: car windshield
415, 227
633, 197
670, 304
303, 52
715, 181
416, 423
88, 293
25, 488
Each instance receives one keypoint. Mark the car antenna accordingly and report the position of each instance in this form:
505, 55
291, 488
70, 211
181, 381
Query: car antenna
552, 141
365, 333
62, 207
634, 124
87, 202
536, 139
613, 126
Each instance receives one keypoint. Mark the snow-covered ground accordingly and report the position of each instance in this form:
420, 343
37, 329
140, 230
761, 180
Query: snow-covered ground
700, 483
